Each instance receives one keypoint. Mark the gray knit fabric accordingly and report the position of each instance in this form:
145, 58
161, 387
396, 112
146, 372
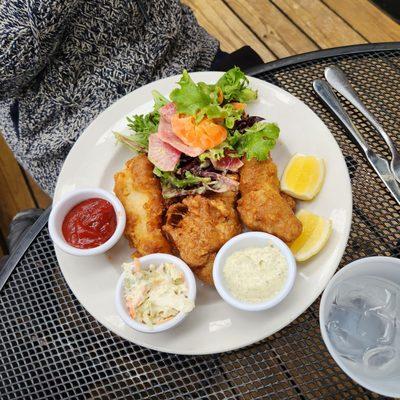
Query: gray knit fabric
64, 61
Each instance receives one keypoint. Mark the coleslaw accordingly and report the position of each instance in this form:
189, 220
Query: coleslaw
155, 294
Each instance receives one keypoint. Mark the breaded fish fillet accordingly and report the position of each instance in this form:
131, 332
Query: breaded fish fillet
198, 226
290, 200
140, 193
262, 206
254, 175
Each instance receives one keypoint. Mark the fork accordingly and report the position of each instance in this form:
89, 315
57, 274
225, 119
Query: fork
337, 79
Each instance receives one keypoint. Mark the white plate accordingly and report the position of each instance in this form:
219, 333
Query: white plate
213, 326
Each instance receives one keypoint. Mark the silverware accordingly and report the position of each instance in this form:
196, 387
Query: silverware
338, 80
27, 238
380, 165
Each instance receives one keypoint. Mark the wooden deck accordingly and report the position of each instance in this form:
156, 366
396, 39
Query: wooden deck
274, 28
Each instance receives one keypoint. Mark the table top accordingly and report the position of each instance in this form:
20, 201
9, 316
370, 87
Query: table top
50, 347
274, 28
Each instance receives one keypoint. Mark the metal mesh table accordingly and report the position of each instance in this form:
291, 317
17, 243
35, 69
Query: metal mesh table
50, 347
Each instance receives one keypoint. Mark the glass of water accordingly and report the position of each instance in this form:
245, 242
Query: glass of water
360, 322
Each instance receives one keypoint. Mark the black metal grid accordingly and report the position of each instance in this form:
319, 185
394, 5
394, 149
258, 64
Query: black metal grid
51, 348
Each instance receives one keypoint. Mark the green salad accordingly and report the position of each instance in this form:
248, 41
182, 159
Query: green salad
198, 137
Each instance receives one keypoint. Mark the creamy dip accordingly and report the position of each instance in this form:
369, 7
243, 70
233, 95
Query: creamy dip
256, 274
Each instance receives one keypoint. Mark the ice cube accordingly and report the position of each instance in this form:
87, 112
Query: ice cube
375, 328
368, 292
362, 317
383, 359
346, 345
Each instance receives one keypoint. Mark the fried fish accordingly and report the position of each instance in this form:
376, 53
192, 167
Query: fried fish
262, 206
140, 193
198, 226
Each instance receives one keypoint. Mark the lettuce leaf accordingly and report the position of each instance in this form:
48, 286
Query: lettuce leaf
232, 115
210, 90
257, 141
190, 98
159, 100
169, 178
234, 86
227, 112
173, 186
201, 99
233, 139
215, 153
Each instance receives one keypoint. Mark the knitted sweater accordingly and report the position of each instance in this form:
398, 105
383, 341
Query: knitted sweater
64, 61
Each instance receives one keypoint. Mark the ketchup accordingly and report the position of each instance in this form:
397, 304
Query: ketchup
90, 223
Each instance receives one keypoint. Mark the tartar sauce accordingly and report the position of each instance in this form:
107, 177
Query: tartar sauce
256, 274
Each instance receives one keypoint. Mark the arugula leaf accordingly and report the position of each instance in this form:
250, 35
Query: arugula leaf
143, 126
159, 100
169, 178
234, 86
190, 98
257, 141
129, 142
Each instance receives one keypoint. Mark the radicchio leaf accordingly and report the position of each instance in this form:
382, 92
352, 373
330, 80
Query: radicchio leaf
246, 122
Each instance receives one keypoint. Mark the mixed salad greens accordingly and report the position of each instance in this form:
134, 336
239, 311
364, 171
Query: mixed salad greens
198, 136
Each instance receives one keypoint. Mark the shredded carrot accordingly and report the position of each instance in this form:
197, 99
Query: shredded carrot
132, 311
218, 120
183, 127
209, 134
220, 95
205, 135
239, 106
136, 265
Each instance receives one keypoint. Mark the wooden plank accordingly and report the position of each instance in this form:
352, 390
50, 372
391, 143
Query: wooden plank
367, 19
320, 23
218, 20
14, 192
42, 199
2, 251
3, 245
272, 27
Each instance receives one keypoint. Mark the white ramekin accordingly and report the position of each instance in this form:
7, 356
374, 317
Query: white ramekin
244, 241
156, 259
62, 207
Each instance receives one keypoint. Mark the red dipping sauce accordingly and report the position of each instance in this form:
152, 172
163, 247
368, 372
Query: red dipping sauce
90, 223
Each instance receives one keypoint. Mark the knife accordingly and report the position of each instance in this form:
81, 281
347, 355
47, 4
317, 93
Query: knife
378, 163
22, 246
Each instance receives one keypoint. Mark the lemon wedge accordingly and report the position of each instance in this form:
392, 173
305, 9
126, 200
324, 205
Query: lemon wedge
315, 234
303, 176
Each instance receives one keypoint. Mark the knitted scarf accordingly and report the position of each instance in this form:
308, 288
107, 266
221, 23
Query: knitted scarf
62, 62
